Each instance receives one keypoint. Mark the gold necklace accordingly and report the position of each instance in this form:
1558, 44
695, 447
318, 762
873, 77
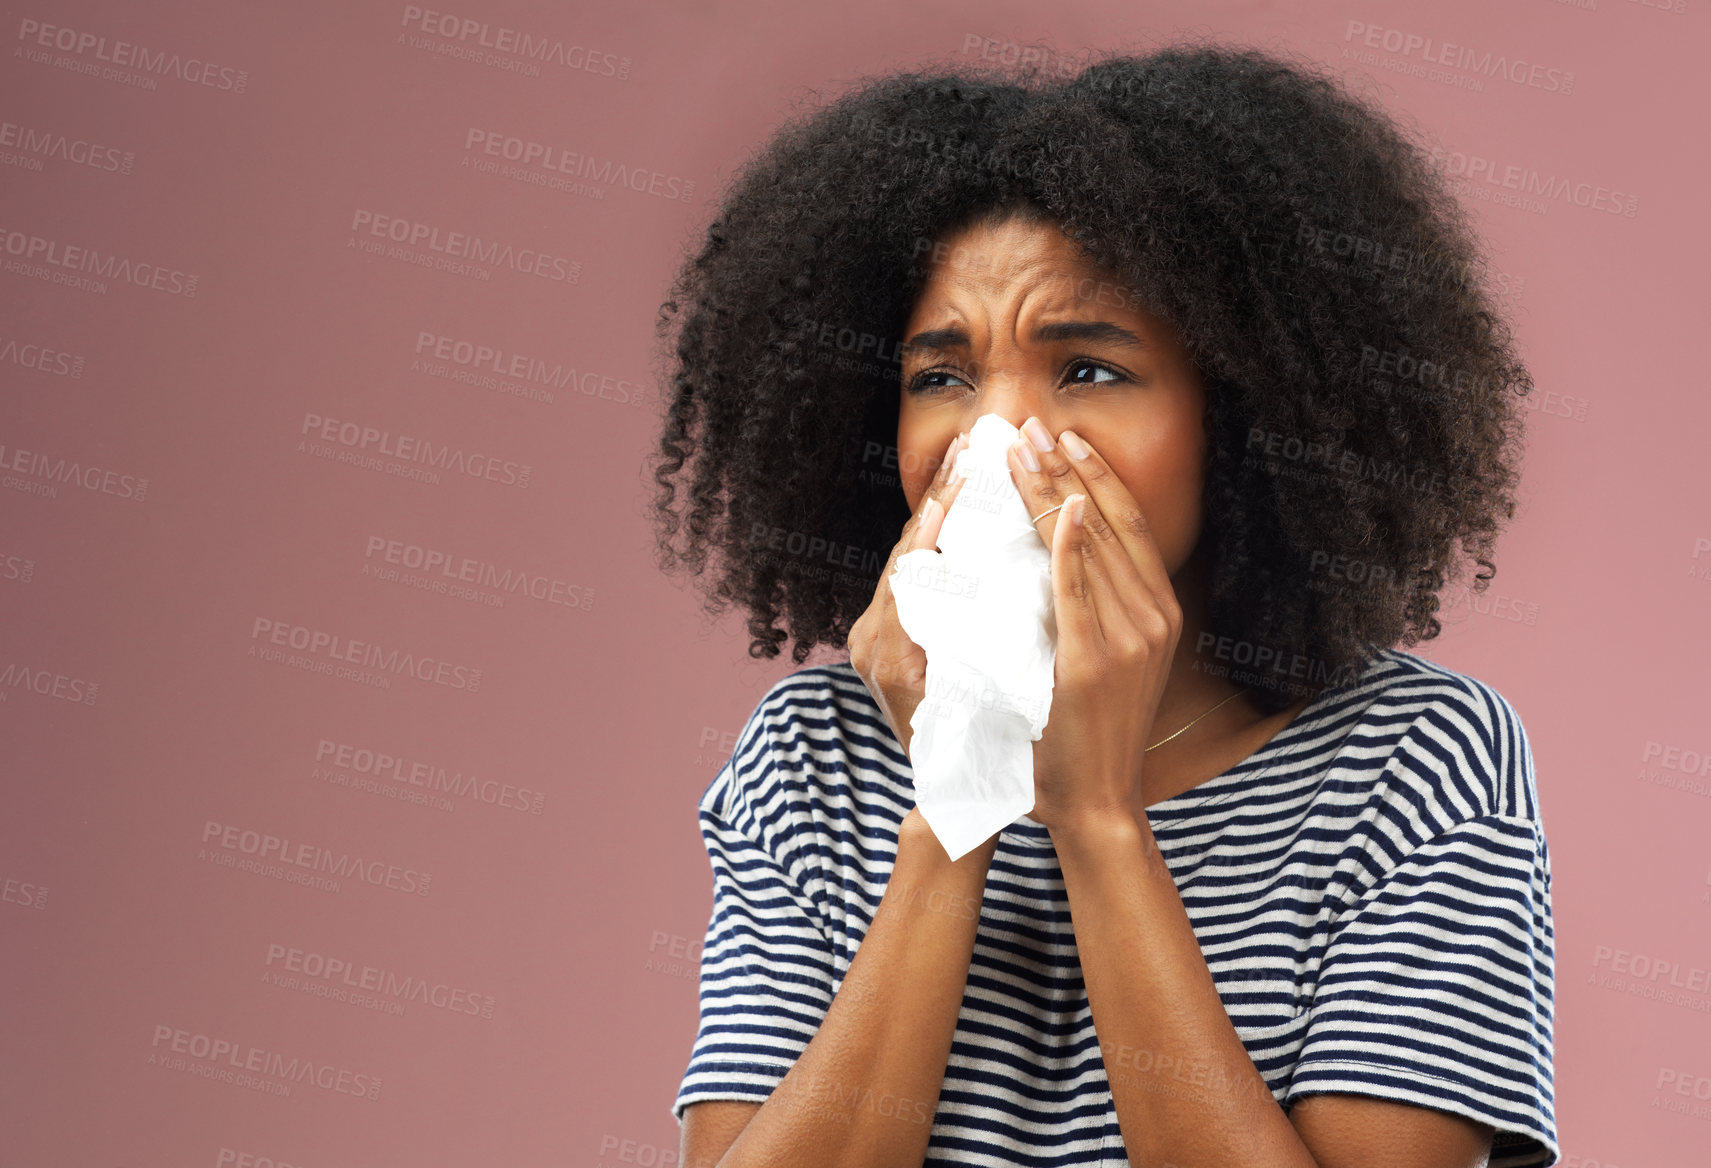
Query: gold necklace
1162, 741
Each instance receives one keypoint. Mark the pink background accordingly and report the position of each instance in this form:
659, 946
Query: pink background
553, 903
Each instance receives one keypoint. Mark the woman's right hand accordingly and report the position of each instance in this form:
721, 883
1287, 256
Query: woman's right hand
893, 666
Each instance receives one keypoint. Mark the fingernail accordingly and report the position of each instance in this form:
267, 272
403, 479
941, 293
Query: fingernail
1037, 434
1074, 445
1075, 508
1026, 454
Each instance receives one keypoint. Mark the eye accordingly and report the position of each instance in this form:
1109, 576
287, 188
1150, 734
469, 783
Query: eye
1085, 363
923, 385
919, 384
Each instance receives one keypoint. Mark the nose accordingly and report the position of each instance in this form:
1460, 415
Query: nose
1016, 399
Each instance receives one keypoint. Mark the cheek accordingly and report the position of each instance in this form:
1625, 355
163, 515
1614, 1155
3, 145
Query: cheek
916, 466
1166, 487
1160, 461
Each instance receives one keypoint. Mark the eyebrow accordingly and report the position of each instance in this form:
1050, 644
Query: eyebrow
1097, 331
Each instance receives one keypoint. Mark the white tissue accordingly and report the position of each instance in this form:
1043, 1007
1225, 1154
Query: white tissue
981, 609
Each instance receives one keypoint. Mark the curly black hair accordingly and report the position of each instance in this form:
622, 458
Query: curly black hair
1360, 380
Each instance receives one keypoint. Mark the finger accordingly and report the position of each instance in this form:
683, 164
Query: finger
936, 490
929, 521
1080, 635
1118, 512
1115, 585
890, 642
1117, 530
933, 520
934, 509
1051, 485
944, 489
1109, 601
1116, 590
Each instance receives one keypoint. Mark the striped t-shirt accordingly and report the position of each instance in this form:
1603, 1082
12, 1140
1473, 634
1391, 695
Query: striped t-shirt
1371, 890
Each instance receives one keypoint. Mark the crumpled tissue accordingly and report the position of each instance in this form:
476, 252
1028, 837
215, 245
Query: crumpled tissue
981, 610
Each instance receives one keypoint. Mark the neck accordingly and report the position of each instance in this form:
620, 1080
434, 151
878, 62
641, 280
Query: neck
1195, 684
1226, 735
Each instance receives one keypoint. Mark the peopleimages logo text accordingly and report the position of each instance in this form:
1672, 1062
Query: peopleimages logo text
55, 253
473, 33
129, 55
462, 245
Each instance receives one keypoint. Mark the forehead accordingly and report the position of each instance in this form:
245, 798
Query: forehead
1031, 266
999, 254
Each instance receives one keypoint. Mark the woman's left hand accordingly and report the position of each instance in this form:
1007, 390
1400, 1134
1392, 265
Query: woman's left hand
1118, 622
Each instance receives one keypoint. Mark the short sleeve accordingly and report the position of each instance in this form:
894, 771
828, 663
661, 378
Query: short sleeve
766, 966
1437, 985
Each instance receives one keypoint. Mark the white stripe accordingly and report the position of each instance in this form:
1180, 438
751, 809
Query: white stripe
1281, 863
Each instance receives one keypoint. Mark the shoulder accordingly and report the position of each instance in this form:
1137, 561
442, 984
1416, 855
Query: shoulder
815, 741
1432, 803
1465, 732
1429, 749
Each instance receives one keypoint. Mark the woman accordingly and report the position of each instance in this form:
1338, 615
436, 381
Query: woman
1284, 895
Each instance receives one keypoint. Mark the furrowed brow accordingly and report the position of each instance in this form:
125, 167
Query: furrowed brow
1101, 332
955, 337
940, 340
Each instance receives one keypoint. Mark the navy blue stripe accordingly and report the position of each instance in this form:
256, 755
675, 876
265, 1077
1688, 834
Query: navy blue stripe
1334, 879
